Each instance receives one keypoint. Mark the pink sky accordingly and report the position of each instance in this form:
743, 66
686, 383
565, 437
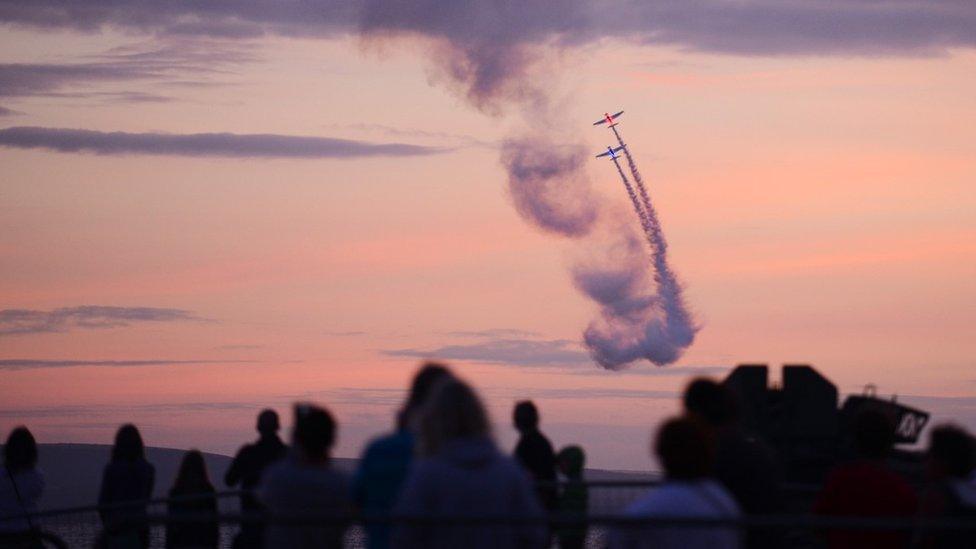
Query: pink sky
819, 209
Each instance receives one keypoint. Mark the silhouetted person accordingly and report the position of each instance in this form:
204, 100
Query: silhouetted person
386, 460
866, 487
306, 482
950, 462
128, 478
535, 453
21, 485
574, 499
460, 474
685, 448
246, 469
192, 495
743, 463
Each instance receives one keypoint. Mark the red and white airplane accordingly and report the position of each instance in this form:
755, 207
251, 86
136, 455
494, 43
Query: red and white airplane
609, 119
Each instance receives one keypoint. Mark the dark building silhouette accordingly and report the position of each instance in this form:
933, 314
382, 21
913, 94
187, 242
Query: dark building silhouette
802, 421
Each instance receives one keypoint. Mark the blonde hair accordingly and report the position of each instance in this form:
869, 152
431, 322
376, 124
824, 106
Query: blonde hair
453, 411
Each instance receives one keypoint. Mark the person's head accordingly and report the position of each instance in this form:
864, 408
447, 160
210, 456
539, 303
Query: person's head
571, 461
128, 444
710, 401
192, 476
951, 452
268, 423
314, 432
20, 451
873, 434
685, 448
423, 382
452, 412
525, 416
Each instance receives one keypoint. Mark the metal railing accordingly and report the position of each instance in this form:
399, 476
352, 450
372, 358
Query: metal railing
593, 520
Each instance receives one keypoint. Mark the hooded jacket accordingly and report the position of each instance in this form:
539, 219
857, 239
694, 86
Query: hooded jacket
468, 478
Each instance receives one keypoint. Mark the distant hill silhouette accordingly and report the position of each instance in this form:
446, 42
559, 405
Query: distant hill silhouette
74, 471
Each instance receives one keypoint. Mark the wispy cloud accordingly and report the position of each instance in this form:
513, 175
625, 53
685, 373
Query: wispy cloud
513, 352
495, 333
513, 347
448, 139
4, 111
11, 364
156, 62
201, 144
30, 321
658, 371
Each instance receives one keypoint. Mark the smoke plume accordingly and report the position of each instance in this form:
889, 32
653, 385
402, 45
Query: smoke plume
496, 59
548, 185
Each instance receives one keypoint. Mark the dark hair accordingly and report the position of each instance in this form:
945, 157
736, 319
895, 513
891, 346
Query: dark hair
20, 451
314, 430
526, 416
685, 449
874, 433
711, 401
268, 422
953, 447
423, 381
572, 461
452, 412
192, 477
128, 444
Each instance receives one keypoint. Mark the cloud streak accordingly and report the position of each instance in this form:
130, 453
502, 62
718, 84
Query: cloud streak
30, 321
201, 144
14, 364
517, 348
512, 352
160, 62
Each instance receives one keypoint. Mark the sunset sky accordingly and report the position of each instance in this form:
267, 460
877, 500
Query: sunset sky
812, 164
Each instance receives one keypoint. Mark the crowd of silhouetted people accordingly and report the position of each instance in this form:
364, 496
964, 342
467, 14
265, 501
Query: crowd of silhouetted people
446, 484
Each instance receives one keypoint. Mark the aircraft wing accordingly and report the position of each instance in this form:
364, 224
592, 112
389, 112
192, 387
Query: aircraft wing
601, 121
601, 155
616, 115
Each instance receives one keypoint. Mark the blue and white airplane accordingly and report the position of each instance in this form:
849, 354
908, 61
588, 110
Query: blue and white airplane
611, 152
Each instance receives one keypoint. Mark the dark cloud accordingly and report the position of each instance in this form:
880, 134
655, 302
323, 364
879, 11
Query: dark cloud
754, 27
33, 364
29, 321
201, 144
514, 352
225, 19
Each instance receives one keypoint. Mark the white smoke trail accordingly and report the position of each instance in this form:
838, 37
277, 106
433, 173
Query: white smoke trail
477, 58
638, 208
662, 329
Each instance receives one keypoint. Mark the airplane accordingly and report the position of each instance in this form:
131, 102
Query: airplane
611, 152
609, 119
